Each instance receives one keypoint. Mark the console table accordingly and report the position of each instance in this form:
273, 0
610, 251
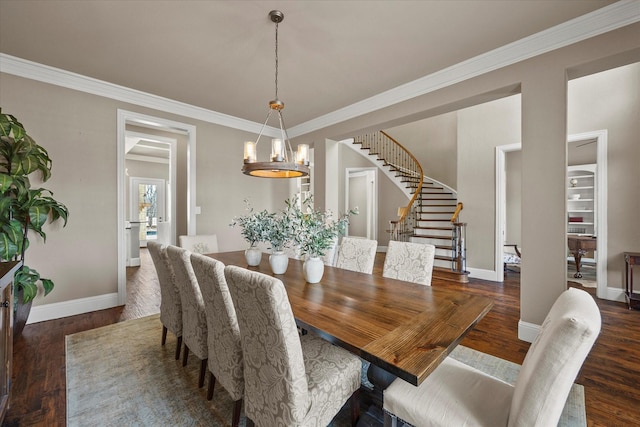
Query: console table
579, 246
7, 270
631, 259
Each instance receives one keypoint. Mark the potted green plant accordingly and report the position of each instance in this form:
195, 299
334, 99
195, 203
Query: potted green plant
24, 210
254, 227
279, 236
315, 232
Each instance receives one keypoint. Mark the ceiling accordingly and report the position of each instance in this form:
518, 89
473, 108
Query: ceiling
219, 55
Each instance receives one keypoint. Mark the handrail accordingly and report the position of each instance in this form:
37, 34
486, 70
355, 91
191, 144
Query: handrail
454, 217
419, 172
394, 154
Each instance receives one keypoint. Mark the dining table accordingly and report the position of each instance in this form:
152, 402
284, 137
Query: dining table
403, 328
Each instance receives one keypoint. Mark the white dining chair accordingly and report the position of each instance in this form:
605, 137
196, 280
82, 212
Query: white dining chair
357, 254
408, 261
194, 318
170, 304
225, 351
329, 257
290, 380
456, 394
200, 244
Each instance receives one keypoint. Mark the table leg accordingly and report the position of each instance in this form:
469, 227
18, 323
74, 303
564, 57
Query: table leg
577, 256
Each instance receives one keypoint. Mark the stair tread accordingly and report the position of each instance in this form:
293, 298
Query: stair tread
430, 236
433, 228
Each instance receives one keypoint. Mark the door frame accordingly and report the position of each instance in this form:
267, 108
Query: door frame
171, 191
125, 117
601, 137
372, 198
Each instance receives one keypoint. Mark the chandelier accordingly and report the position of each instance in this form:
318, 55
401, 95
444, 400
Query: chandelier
283, 163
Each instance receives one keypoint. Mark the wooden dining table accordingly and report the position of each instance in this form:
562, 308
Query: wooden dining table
404, 328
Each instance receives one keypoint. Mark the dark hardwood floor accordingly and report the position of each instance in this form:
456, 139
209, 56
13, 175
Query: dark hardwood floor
611, 373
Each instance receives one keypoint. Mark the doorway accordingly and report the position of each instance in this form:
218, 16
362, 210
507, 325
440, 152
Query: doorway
129, 118
148, 208
599, 138
361, 190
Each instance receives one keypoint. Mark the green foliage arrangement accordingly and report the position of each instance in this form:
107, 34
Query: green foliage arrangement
315, 231
254, 225
22, 208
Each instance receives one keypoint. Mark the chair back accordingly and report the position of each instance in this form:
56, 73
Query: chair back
411, 262
276, 388
170, 304
225, 351
200, 244
357, 254
554, 360
194, 319
329, 257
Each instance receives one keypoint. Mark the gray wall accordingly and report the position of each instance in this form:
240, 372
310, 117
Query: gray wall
480, 130
79, 130
433, 142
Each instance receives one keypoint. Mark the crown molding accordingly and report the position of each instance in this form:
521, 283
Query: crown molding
58, 77
614, 16
609, 18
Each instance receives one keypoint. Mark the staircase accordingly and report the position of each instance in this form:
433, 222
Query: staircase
432, 211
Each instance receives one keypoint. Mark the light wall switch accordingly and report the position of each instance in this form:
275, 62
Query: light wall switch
198, 210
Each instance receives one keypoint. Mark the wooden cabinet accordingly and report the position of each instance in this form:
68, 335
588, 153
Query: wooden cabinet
7, 270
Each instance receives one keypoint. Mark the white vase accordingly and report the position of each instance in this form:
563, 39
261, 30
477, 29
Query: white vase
279, 261
313, 269
253, 256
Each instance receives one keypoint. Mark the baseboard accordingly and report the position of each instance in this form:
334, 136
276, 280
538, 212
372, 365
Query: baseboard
40, 313
527, 331
615, 294
478, 273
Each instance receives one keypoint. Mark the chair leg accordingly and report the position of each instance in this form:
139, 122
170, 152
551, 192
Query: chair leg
164, 335
235, 421
178, 347
203, 371
389, 420
212, 384
355, 407
185, 355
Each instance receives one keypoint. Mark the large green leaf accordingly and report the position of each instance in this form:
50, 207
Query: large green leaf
8, 249
5, 182
27, 279
47, 284
38, 217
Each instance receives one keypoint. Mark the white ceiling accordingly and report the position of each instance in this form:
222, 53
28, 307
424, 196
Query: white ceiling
219, 55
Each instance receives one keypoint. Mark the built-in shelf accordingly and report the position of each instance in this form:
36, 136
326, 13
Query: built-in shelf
584, 184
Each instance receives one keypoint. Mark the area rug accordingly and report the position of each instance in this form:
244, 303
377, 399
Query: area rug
120, 375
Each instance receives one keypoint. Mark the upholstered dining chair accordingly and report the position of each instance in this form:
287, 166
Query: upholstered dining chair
457, 394
225, 351
194, 318
408, 261
290, 380
170, 304
357, 254
200, 244
329, 257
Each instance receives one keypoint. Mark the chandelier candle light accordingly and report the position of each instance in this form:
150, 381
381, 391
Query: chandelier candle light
283, 163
